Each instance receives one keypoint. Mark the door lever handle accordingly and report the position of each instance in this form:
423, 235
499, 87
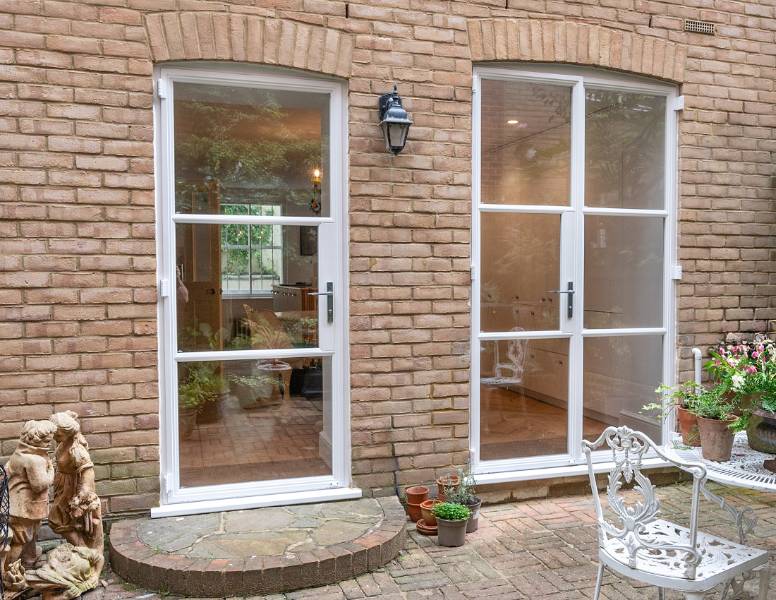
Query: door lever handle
329, 293
570, 303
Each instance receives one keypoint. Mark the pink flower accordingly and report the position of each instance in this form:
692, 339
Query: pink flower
751, 369
755, 354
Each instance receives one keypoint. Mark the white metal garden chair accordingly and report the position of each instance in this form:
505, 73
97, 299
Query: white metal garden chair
635, 543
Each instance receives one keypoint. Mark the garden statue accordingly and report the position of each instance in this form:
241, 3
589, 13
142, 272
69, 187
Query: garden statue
30, 474
75, 509
75, 512
69, 572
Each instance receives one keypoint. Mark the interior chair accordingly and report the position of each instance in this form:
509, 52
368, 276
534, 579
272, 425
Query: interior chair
510, 369
635, 543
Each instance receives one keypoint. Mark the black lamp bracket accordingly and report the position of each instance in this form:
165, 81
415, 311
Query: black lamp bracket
389, 99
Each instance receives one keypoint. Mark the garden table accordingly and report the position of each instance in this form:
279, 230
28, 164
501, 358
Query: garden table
744, 470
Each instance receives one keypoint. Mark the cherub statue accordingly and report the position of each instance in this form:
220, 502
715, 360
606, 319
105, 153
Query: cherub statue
30, 473
75, 512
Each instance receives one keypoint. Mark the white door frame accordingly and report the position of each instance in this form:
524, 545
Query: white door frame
175, 500
572, 264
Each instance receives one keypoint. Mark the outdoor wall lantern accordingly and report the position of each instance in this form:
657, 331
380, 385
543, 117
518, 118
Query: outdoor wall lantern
394, 121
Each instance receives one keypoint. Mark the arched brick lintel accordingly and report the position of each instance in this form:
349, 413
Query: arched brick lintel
545, 40
199, 35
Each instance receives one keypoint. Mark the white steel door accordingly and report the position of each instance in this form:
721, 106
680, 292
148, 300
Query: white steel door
252, 262
572, 245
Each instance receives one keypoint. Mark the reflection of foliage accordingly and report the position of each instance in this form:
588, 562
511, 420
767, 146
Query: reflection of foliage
201, 383
217, 147
624, 144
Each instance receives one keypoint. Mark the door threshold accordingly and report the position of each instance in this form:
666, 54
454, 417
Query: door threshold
552, 472
221, 505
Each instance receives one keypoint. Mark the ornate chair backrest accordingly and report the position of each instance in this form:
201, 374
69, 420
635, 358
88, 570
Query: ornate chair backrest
5, 510
626, 518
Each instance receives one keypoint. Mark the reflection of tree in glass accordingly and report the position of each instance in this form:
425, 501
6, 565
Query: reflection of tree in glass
624, 138
228, 143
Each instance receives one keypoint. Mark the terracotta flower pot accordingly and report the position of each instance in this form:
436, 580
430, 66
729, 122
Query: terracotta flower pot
443, 482
187, 419
451, 533
473, 523
761, 431
427, 510
416, 494
688, 427
716, 438
413, 510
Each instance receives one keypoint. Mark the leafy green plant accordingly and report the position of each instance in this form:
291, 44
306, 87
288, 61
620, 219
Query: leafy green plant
463, 492
451, 511
201, 383
681, 395
715, 403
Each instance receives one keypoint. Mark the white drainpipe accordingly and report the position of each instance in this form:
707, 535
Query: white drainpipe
698, 356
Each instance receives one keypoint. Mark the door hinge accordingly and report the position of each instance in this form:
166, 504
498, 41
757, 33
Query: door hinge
676, 272
161, 88
473, 272
678, 103
166, 485
164, 288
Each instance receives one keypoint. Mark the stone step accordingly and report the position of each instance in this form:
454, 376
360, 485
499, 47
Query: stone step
260, 551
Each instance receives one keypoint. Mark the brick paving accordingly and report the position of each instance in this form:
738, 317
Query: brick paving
540, 549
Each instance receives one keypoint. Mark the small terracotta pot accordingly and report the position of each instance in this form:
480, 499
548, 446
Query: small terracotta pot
688, 427
416, 494
443, 482
716, 438
451, 533
413, 510
427, 510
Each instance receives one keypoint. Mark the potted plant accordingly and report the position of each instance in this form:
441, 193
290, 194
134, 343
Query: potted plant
680, 397
464, 493
451, 521
444, 482
716, 421
201, 386
748, 368
253, 391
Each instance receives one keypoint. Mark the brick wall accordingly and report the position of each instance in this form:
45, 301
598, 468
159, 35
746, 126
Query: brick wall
77, 286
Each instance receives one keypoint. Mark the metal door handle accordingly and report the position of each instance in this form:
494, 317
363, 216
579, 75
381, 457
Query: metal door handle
329, 293
570, 303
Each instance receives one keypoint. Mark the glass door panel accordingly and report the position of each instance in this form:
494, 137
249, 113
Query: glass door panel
620, 376
260, 420
524, 401
526, 143
521, 265
624, 272
624, 149
244, 286
250, 145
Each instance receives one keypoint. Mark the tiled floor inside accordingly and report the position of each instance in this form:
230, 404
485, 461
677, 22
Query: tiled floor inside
256, 444
535, 550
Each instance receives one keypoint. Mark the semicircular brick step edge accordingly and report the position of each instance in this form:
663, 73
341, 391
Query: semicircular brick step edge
259, 551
